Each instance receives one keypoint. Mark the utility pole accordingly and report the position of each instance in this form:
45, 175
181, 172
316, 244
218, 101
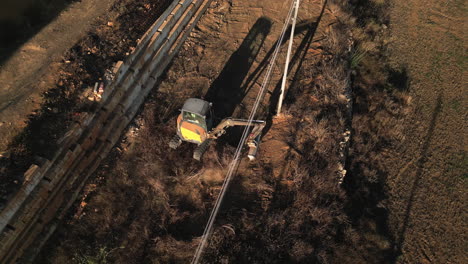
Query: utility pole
286, 66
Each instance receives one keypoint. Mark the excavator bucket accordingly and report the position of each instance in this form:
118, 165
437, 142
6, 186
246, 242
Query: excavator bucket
253, 147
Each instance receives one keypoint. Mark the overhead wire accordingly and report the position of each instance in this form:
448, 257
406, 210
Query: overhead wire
235, 161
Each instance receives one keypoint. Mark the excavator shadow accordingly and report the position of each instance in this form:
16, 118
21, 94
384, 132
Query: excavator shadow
227, 92
234, 82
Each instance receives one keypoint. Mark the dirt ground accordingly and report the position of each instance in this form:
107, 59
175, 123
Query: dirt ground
427, 183
35, 67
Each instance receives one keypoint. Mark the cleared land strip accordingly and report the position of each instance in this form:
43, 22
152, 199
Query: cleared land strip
52, 186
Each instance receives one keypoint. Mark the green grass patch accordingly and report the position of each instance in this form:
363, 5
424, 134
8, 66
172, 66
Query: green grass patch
357, 57
101, 256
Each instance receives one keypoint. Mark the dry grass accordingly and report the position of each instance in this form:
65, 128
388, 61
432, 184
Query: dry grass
379, 108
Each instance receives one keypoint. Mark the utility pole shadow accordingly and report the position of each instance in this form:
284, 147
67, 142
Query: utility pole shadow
417, 179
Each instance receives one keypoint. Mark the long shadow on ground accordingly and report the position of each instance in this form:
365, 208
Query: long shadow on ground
227, 92
417, 179
21, 20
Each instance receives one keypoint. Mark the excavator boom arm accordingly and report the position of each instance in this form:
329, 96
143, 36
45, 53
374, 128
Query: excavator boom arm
254, 136
219, 130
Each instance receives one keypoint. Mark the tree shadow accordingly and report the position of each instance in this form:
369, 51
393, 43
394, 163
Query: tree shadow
417, 179
21, 20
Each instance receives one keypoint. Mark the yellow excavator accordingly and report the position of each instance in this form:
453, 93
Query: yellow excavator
195, 124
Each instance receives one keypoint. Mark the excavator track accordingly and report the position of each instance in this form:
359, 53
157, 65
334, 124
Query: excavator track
175, 142
201, 149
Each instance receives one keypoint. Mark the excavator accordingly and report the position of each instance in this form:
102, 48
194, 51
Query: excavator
195, 124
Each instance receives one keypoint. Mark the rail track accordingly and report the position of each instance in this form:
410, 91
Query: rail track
51, 186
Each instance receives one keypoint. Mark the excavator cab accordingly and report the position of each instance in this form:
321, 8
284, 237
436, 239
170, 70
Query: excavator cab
194, 121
